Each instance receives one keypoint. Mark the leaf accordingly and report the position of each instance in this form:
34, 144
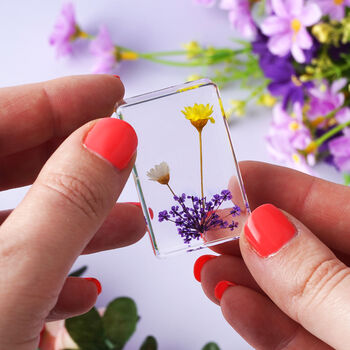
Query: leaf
211, 346
150, 343
119, 320
87, 331
347, 179
79, 272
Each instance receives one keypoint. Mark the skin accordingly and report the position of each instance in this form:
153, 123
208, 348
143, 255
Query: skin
69, 210
298, 297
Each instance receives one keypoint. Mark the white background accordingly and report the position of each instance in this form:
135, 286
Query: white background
171, 303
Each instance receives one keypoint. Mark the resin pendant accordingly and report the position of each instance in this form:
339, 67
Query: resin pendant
186, 169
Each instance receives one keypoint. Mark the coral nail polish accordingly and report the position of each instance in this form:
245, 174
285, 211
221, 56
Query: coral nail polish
117, 76
138, 204
96, 282
113, 139
198, 265
221, 287
268, 230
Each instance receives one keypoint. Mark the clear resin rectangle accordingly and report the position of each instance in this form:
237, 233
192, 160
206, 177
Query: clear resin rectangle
186, 169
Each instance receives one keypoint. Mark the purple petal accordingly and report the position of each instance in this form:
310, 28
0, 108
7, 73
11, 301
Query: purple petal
280, 44
279, 8
294, 7
303, 39
298, 53
338, 85
310, 15
275, 25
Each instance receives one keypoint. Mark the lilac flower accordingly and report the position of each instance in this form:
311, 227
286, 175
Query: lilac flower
240, 16
64, 30
104, 50
200, 216
334, 8
287, 135
207, 3
340, 150
287, 27
326, 98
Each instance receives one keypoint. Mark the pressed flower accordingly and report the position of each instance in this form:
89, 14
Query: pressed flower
65, 30
160, 173
199, 115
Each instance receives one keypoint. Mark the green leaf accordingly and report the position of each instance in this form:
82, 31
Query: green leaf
87, 331
119, 320
347, 179
79, 272
211, 346
150, 343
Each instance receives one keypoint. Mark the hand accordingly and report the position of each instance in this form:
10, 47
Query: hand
290, 287
70, 209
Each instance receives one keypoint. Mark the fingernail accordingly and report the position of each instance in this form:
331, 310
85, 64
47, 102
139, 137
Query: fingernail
221, 287
198, 265
117, 76
96, 282
113, 139
268, 230
138, 204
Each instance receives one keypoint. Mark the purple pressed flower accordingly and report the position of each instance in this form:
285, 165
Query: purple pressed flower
287, 136
326, 98
240, 16
286, 29
200, 215
334, 8
340, 150
104, 50
64, 30
207, 3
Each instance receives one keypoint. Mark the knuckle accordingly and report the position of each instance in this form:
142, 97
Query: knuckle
78, 191
319, 283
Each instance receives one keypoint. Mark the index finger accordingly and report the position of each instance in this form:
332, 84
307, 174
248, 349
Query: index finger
35, 113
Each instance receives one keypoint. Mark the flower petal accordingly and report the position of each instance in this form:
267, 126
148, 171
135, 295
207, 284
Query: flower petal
280, 44
279, 8
338, 85
294, 7
310, 15
303, 39
298, 53
274, 25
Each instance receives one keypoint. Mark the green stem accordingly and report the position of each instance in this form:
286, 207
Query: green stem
331, 133
166, 53
201, 161
172, 63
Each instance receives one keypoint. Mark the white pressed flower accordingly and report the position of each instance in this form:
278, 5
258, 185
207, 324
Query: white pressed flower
160, 173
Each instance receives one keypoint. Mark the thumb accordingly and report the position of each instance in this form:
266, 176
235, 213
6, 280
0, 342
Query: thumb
299, 273
64, 208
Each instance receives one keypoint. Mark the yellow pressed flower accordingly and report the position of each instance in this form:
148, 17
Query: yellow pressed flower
199, 115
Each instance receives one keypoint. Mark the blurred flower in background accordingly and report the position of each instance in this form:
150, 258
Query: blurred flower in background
294, 57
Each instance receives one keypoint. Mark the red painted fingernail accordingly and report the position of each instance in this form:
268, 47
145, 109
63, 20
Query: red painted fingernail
96, 282
138, 204
221, 287
113, 139
117, 76
268, 230
198, 265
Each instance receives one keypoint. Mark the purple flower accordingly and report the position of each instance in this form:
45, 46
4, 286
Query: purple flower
240, 16
287, 136
207, 3
104, 50
340, 150
334, 8
64, 30
287, 27
194, 219
326, 98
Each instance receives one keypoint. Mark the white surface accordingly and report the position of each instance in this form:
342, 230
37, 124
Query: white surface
170, 302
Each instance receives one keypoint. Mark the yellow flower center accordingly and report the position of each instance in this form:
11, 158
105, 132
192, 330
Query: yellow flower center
199, 115
164, 180
338, 2
294, 126
296, 25
296, 158
311, 147
296, 81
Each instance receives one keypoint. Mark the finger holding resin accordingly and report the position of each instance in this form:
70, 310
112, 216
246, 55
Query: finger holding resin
300, 274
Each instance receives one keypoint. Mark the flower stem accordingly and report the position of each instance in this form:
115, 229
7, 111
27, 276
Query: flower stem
201, 161
331, 133
171, 190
